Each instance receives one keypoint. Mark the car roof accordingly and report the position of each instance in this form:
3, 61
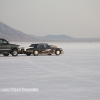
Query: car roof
42, 43
39, 43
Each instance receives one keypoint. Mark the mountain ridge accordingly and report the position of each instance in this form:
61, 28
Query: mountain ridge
14, 35
11, 34
52, 37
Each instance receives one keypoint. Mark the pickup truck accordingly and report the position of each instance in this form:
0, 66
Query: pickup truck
7, 48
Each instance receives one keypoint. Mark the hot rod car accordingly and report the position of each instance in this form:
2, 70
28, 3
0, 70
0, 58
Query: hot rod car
42, 48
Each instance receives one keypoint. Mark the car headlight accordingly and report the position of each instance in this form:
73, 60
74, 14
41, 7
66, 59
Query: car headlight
18, 47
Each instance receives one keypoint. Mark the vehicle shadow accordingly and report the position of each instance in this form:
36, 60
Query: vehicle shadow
23, 55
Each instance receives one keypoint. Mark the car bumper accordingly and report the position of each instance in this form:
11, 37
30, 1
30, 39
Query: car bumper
26, 52
20, 51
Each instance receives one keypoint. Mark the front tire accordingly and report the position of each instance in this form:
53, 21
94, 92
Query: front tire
35, 53
14, 52
6, 54
57, 52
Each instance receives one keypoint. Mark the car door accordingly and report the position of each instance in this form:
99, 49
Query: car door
48, 49
41, 48
3, 46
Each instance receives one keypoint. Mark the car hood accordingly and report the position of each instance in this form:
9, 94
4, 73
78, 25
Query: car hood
25, 48
14, 44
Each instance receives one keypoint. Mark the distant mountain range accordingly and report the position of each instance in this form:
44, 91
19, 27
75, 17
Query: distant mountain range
52, 37
65, 38
11, 34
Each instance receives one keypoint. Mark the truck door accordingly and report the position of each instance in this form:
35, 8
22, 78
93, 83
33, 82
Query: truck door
3, 46
0, 45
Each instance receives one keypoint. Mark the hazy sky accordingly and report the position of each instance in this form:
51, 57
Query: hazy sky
76, 18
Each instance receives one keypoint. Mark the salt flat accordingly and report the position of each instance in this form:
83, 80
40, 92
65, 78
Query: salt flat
75, 75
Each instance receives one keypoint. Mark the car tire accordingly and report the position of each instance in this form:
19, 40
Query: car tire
5, 54
57, 52
28, 54
14, 52
35, 53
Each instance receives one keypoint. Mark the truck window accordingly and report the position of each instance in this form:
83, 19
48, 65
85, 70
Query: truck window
4, 42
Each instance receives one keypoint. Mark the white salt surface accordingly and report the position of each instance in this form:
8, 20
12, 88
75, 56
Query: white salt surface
75, 75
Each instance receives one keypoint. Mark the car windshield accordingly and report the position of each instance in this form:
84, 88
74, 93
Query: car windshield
34, 45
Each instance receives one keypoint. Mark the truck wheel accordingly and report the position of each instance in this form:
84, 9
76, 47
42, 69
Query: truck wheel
14, 52
28, 54
57, 52
35, 53
5, 54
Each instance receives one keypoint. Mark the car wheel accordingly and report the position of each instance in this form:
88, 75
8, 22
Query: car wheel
28, 54
35, 53
6, 54
14, 52
57, 52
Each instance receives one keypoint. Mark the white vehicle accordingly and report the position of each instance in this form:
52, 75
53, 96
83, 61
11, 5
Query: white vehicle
24, 49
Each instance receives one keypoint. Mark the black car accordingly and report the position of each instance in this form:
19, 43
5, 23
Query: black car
6, 48
42, 48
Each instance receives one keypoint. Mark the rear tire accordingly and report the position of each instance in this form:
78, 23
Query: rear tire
14, 52
35, 53
6, 54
